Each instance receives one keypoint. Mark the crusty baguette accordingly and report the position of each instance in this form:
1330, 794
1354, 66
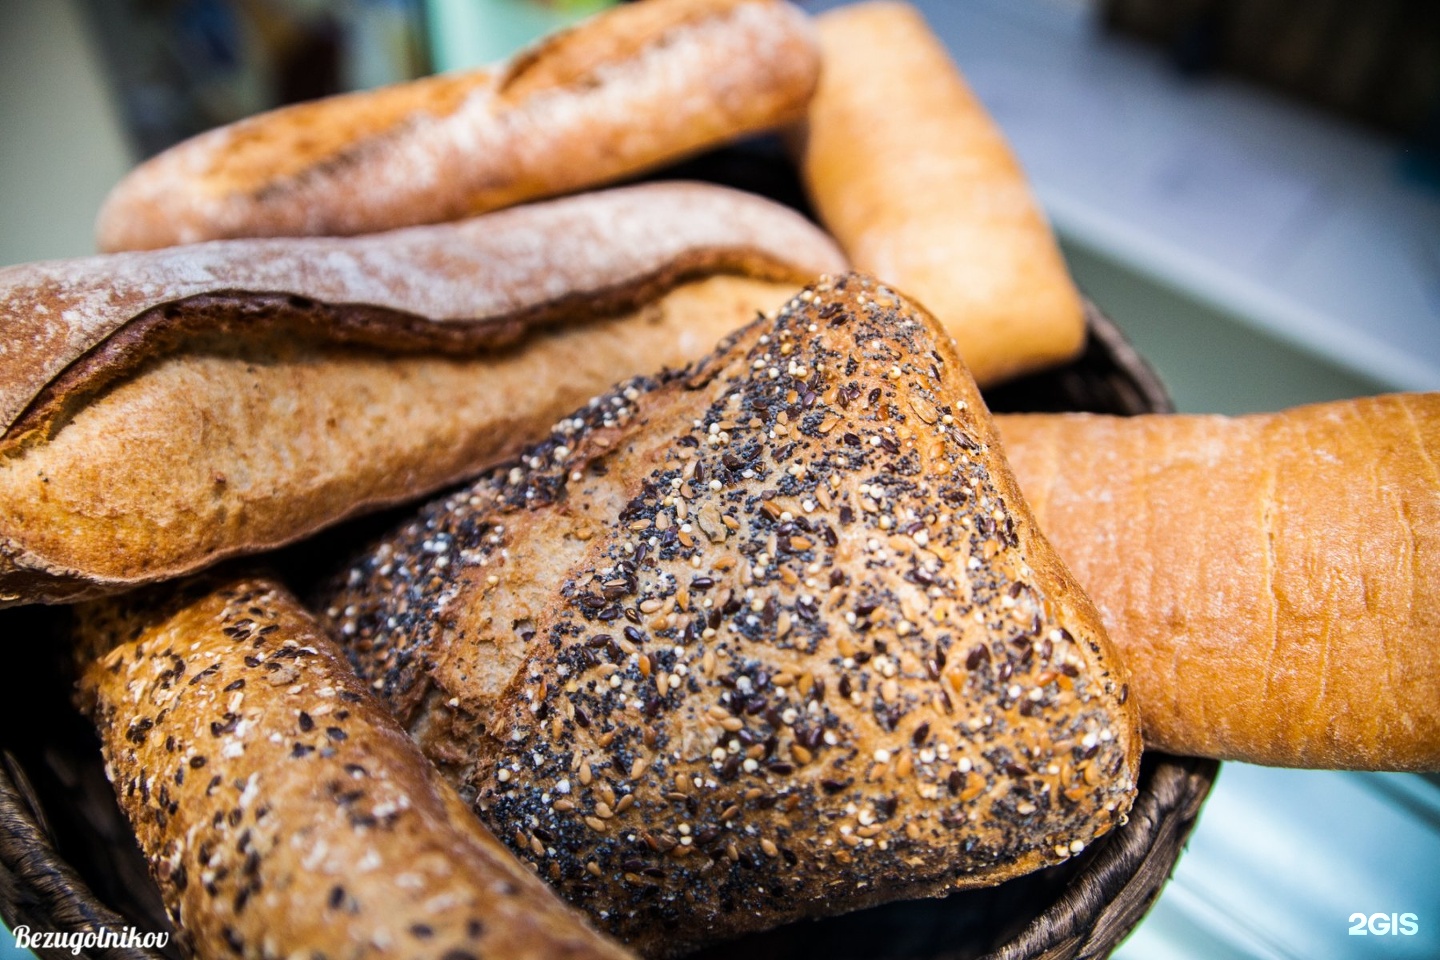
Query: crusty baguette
631, 88
1273, 581
282, 810
912, 176
167, 409
772, 638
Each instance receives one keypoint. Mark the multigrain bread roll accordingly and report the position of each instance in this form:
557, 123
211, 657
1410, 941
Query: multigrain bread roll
912, 176
163, 410
628, 89
1273, 581
772, 638
282, 810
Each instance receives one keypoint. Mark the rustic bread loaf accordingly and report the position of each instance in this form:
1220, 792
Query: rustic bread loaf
282, 810
771, 638
1273, 581
166, 409
628, 89
912, 176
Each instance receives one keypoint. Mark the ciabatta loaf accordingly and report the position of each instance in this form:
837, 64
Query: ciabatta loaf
282, 810
628, 89
771, 638
162, 410
909, 172
1273, 580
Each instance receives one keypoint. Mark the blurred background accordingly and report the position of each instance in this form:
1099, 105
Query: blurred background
1249, 188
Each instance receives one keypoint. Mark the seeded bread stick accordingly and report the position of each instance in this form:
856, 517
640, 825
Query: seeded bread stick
283, 811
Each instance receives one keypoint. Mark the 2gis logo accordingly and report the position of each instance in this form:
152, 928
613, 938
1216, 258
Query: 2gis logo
1384, 924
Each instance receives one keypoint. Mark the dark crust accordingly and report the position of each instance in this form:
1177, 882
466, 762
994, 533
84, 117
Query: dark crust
828, 789
170, 328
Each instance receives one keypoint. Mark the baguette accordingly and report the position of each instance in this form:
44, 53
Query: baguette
914, 179
164, 410
1273, 581
768, 639
629, 89
281, 809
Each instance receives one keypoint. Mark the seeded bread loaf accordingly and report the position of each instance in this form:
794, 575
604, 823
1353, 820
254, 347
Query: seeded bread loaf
628, 89
282, 810
1272, 580
163, 410
915, 180
771, 638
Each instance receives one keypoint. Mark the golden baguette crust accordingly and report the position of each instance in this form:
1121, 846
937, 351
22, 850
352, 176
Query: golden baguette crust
282, 810
1273, 581
626, 90
192, 404
912, 176
771, 638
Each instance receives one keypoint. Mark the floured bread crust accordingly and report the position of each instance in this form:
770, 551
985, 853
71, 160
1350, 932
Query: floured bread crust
458, 287
173, 408
771, 638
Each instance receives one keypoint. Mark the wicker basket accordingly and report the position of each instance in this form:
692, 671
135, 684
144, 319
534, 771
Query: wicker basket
68, 861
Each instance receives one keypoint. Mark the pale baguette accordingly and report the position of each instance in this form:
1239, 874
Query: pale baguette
628, 89
914, 179
1273, 581
282, 810
167, 409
